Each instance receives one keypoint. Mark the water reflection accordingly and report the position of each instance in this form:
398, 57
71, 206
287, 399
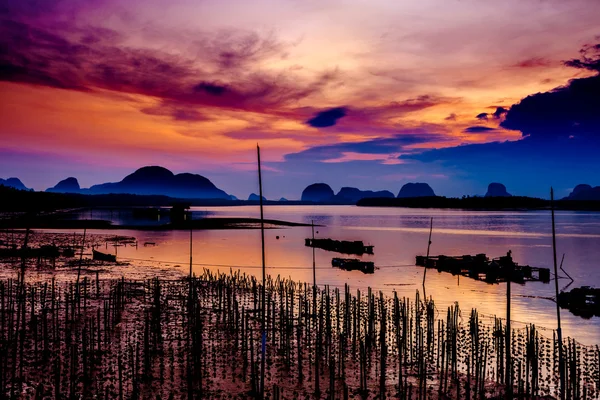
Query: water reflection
399, 235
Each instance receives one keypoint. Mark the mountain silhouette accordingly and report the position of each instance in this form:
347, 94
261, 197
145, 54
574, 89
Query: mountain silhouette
352, 195
317, 192
584, 192
69, 185
255, 197
155, 180
416, 189
14, 183
497, 190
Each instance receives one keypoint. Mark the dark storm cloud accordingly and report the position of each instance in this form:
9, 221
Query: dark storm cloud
500, 111
482, 116
210, 88
86, 59
365, 118
375, 146
327, 118
590, 58
478, 129
570, 110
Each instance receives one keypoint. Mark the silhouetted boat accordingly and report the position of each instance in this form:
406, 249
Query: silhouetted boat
354, 264
340, 246
480, 267
97, 255
582, 301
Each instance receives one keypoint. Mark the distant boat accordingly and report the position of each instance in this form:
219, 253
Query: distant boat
103, 256
340, 246
354, 264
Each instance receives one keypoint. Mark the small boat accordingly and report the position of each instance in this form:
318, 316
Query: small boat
340, 246
354, 264
103, 256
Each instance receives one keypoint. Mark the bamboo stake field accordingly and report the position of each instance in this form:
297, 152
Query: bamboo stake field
201, 338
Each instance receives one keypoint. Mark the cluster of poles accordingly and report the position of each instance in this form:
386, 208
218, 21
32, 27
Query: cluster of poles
233, 335
210, 337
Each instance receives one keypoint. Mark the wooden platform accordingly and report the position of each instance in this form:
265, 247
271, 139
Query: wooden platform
481, 268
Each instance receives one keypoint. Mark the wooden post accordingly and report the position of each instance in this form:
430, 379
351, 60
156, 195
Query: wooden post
508, 368
312, 223
262, 236
427, 257
558, 330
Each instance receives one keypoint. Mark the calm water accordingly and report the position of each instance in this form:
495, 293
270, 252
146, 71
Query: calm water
398, 236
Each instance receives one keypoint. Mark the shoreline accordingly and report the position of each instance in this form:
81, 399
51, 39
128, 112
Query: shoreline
202, 224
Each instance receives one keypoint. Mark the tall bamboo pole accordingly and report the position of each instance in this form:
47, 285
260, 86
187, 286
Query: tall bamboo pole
558, 330
262, 237
427, 257
312, 223
190, 252
507, 346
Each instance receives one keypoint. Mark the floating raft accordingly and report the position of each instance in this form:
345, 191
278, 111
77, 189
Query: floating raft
103, 256
45, 251
354, 264
340, 246
582, 301
481, 268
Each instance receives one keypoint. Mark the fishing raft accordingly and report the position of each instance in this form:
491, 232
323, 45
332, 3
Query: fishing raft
481, 268
582, 301
354, 264
340, 246
99, 256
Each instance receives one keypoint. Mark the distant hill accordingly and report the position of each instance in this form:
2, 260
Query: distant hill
351, 195
584, 192
417, 189
69, 185
13, 183
497, 190
156, 180
318, 193
255, 197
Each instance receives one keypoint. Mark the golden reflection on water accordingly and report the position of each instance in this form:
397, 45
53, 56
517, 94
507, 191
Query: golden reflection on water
398, 236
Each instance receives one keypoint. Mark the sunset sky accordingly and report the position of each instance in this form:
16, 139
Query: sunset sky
371, 94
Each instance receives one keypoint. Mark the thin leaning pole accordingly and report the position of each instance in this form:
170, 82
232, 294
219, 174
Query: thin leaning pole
190, 252
558, 330
262, 237
427, 257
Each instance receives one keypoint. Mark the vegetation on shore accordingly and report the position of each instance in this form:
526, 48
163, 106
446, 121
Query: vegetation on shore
480, 203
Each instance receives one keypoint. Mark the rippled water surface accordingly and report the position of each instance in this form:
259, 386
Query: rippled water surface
398, 236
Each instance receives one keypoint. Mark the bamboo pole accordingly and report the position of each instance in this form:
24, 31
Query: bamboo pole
558, 329
262, 237
508, 368
427, 257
